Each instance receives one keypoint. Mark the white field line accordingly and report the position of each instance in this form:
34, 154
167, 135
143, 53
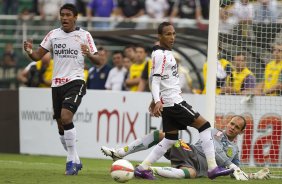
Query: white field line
27, 163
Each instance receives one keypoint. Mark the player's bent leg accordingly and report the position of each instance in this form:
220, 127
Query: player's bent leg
137, 145
143, 171
207, 144
142, 143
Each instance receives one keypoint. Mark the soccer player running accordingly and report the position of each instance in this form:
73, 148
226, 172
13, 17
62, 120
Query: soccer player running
69, 45
189, 161
176, 113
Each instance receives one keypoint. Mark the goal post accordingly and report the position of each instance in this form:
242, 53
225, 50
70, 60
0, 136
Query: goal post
212, 56
254, 30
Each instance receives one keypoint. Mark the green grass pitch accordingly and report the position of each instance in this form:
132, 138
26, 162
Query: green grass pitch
30, 169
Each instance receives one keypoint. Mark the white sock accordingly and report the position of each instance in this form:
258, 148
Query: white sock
170, 172
140, 144
208, 148
70, 138
77, 159
158, 151
62, 138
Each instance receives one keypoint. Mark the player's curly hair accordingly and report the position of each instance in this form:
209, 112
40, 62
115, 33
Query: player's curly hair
70, 7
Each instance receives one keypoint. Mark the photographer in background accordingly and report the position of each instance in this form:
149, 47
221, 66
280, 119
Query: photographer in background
38, 74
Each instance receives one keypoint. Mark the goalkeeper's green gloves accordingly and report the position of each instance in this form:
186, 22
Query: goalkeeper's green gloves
261, 174
238, 173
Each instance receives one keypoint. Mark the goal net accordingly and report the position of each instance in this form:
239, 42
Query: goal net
250, 52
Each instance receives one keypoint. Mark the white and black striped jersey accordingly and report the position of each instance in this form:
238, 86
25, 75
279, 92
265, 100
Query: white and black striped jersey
164, 67
67, 55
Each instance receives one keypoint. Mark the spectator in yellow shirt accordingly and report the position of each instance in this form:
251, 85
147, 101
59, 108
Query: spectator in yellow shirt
242, 80
136, 68
224, 70
272, 82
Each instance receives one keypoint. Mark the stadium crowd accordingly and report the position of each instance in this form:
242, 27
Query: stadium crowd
128, 69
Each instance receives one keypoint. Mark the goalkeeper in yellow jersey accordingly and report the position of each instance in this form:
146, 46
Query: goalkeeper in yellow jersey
188, 160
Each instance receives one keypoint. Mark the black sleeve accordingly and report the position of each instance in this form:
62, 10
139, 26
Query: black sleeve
145, 74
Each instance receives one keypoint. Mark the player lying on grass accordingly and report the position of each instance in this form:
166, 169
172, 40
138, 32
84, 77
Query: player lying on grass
188, 161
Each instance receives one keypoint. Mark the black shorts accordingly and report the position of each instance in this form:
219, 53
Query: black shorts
68, 96
178, 117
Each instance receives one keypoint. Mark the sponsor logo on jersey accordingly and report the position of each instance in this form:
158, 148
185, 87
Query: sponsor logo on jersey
61, 80
163, 65
90, 43
62, 51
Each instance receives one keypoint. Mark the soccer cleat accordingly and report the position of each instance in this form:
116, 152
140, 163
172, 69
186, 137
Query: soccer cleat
71, 168
145, 174
78, 167
111, 153
219, 171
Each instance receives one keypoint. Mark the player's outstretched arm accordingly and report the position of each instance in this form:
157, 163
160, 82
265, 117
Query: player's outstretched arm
261, 174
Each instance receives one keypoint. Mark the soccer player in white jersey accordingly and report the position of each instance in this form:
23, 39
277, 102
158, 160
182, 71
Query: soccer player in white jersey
188, 160
69, 45
176, 113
